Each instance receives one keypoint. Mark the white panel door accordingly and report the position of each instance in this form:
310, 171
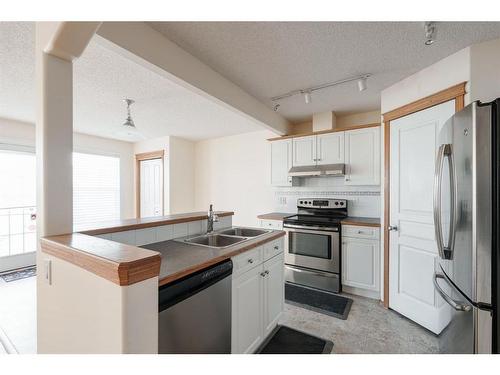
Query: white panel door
274, 292
330, 148
151, 187
247, 308
281, 162
304, 151
361, 263
362, 156
413, 256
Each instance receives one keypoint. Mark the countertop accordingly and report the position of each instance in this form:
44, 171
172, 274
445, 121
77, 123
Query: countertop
350, 220
275, 215
119, 263
180, 259
139, 223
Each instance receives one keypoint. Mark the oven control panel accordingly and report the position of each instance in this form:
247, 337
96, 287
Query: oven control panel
321, 203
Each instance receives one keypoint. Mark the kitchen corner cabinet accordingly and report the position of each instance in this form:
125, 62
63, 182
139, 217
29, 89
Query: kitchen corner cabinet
258, 296
281, 162
361, 259
362, 156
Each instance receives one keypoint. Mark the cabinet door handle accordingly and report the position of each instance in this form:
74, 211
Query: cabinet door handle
250, 260
266, 272
276, 248
263, 274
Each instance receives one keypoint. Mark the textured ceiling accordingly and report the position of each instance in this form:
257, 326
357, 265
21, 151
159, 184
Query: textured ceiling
270, 58
102, 79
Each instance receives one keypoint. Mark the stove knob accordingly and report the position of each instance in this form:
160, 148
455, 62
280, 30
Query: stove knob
336, 203
341, 203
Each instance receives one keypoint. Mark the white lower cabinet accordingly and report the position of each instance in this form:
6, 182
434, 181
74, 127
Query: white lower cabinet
257, 299
360, 262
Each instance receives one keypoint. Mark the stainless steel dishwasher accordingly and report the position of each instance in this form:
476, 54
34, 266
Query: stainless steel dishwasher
195, 312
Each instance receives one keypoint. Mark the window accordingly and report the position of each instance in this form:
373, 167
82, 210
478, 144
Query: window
96, 189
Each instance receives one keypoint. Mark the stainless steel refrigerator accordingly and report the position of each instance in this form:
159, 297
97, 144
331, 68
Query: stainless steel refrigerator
466, 219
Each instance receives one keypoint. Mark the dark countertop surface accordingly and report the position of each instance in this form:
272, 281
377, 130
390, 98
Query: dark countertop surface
350, 220
275, 215
180, 259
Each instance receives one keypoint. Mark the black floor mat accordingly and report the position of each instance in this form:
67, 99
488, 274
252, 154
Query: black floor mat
286, 340
317, 300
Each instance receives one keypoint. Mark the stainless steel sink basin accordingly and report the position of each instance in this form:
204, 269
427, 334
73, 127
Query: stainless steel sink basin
215, 240
244, 232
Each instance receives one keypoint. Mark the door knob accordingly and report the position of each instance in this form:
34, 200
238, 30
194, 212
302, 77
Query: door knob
391, 228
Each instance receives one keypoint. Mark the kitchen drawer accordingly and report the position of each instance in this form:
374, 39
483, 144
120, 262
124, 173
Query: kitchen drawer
273, 248
272, 224
360, 232
247, 260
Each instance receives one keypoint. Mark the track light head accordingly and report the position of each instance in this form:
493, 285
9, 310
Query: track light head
276, 107
362, 84
430, 33
307, 97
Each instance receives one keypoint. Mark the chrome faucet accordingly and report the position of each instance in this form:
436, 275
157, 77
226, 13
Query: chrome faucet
212, 217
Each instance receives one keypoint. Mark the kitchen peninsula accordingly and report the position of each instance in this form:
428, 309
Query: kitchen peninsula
105, 271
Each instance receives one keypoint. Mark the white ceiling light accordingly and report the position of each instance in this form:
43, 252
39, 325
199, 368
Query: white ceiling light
430, 33
308, 91
362, 84
307, 97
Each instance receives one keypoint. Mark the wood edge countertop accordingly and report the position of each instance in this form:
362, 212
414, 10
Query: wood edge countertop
230, 252
350, 220
119, 263
140, 223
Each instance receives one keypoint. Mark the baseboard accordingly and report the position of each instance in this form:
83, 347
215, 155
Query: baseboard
361, 292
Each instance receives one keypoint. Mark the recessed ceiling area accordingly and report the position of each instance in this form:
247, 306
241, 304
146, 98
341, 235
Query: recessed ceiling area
267, 59
102, 79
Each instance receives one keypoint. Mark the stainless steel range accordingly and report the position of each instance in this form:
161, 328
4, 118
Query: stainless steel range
312, 245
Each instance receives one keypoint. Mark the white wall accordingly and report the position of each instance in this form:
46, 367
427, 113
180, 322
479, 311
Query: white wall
233, 174
445, 73
485, 71
362, 118
22, 133
178, 173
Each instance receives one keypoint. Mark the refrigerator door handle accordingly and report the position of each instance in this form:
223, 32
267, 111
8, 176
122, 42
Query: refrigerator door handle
457, 305
445, 252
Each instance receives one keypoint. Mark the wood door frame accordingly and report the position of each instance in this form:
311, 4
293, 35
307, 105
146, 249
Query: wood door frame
457, 93
151, 155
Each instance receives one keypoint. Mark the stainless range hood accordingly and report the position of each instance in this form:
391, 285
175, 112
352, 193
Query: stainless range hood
318, 170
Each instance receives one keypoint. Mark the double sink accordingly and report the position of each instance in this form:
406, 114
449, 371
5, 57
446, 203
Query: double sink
225, 238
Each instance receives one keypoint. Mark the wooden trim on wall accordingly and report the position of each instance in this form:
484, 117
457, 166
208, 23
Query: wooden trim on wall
456, 93
151, 155
355, 127
450, 93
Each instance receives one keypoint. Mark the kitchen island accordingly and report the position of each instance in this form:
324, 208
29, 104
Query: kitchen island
102, 284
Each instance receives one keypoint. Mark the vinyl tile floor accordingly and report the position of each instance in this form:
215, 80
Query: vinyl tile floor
18, 316
369, 329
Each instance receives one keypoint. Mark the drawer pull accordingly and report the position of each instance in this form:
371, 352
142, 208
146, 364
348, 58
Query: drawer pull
276, 248
250, 260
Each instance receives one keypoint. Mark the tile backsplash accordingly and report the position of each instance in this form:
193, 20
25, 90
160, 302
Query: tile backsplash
362, 200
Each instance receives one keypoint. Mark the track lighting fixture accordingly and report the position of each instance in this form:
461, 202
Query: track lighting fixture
307, 93
307, 97
430, 33
362, 84
276, 107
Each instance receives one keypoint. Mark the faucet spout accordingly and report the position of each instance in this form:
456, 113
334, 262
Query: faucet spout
212, 217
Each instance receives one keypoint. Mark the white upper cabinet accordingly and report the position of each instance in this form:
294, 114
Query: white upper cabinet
304, 151
281, 162
330, 148
362, 156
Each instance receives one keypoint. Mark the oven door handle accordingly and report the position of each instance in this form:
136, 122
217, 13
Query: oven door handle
329, 229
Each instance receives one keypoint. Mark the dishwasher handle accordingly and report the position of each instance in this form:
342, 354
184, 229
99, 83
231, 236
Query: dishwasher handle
179, 290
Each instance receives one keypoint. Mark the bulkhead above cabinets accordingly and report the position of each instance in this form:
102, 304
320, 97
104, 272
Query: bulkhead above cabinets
353, 155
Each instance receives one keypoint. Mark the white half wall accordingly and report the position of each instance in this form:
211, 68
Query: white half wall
232, 173
22, 133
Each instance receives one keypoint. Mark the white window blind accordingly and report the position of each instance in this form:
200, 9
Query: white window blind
96, 189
